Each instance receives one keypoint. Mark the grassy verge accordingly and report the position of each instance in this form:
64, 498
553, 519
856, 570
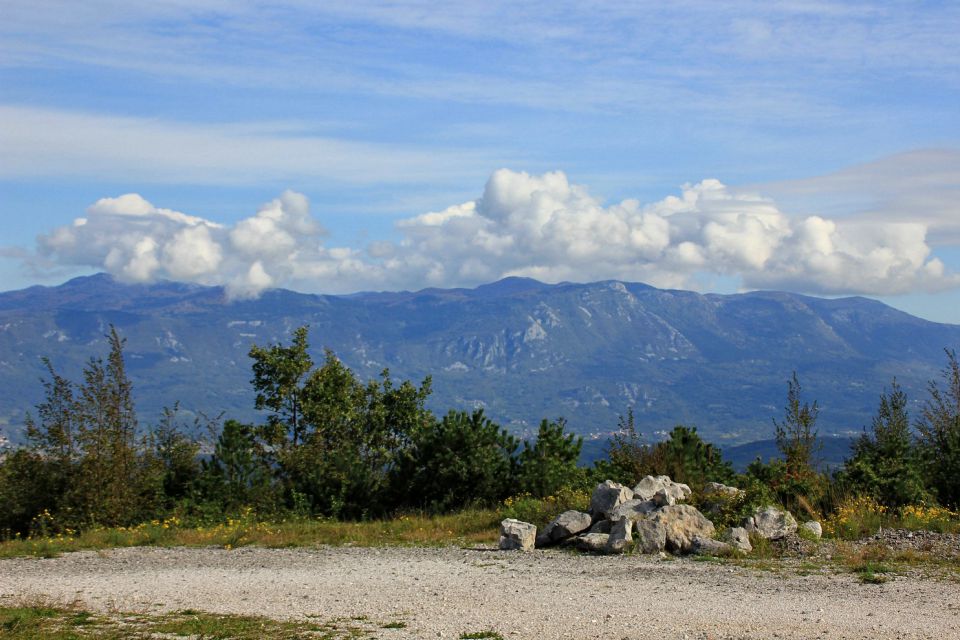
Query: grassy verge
44, 622
468, 527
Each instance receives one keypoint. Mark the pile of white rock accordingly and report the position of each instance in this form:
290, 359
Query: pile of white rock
651, 518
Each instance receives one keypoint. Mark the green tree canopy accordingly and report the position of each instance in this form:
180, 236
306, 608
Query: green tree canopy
550, 463
885, 462
939, 429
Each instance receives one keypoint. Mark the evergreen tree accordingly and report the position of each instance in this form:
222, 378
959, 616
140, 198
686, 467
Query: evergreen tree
108, 483
334, 439
169, 465
629, 459
53, 434
797, 435
939, 429
550, 463
236, 475
885, 462
54, 456
685, 457
456, 461
796, 480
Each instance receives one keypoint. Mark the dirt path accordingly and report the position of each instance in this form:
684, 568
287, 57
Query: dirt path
446, 592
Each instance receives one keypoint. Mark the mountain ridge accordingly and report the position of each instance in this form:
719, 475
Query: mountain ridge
520, 348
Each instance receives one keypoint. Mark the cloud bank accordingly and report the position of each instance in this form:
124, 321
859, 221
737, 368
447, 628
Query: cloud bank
540, 226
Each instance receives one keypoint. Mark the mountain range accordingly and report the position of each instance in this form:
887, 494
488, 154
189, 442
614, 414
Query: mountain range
521, 349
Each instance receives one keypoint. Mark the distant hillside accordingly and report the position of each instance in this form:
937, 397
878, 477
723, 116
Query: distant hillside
521, 349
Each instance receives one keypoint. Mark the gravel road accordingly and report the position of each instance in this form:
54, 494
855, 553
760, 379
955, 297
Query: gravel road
446, 592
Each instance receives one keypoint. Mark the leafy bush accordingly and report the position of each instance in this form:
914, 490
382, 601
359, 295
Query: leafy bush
540, 511
929, 518
855, 518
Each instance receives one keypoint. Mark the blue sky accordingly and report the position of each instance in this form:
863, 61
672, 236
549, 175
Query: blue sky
808, 146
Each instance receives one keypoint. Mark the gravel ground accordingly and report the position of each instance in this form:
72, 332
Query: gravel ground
449, 591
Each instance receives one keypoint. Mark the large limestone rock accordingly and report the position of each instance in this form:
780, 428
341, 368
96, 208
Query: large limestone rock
651, 536
593, 542
647, 489
515, 534
771, 523
608, 496
709, 547
620, 536
600, 526
682, 522
634, 510
739, 539
813, 527
567, 524
718, 490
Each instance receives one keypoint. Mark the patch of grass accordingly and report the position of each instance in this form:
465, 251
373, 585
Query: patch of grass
807, 567
468, 527
708, 558
872, 573
16, 618
206, 625
394, 625
45, 622
40, 622
870, 563
478, 635
763, 549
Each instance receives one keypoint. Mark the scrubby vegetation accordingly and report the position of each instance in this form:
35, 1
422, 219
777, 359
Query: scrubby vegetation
43, 621
340, 459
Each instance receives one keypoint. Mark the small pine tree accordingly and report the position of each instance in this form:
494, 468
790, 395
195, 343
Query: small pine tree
797, 482
797, 435
628, 458
169, 464
685, 457
885, 462
236, 474
939, 429
107, 485
550, 463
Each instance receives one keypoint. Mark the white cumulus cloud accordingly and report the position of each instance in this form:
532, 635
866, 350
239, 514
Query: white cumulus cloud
541, 226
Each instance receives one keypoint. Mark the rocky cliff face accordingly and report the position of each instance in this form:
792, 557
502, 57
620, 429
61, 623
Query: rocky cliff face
521, 349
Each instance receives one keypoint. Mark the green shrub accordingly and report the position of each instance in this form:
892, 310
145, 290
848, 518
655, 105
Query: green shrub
540, 511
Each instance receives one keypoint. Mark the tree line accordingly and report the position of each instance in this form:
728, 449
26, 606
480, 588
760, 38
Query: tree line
334, 445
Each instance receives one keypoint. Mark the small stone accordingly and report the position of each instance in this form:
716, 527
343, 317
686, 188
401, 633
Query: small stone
620, 536
709, 547
593, 542
813, 527
567, 524
771, 523
515, 534
739, 539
